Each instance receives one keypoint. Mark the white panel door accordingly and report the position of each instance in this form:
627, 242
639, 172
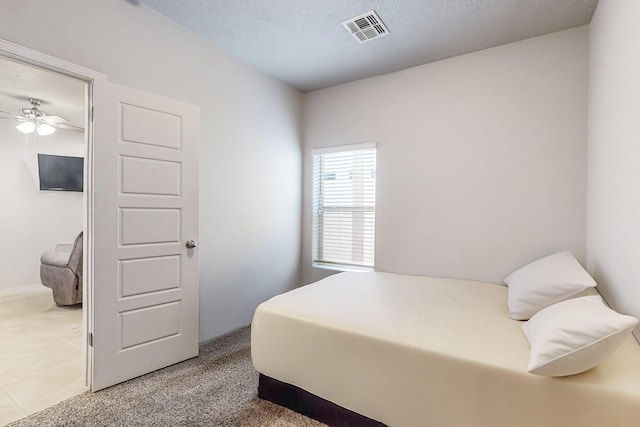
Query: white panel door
145, 209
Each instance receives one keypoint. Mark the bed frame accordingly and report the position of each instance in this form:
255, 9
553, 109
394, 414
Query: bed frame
305, 403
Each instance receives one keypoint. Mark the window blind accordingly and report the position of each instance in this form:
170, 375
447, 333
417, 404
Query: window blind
344, 201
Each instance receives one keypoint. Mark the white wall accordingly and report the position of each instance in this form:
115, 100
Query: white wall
614, 153
481, 158
33, 221
250, 150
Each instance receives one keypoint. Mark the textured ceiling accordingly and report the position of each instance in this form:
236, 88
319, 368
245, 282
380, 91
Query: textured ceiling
61, 95
304, 44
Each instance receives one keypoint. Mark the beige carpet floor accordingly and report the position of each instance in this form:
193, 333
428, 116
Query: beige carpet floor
218, 388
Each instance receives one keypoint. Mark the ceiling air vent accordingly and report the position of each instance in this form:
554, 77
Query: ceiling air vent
366, 26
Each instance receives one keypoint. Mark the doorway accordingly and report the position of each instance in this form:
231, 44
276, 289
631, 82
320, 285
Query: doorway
140, 260
43, 357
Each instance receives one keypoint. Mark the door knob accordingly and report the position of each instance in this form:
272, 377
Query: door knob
191, 244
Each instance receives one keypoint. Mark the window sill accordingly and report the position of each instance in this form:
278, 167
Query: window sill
338, 267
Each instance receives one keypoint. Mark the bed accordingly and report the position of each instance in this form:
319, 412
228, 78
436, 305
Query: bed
402, 350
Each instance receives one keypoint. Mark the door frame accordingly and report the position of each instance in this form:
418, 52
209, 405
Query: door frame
91, 78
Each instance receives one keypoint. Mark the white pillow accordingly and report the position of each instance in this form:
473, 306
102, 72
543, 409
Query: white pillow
544, 282
575, 335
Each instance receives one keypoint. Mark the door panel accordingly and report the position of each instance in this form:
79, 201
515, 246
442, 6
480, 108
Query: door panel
142, 226
145, 176
140, 276
149, 324
145, 207
166, 131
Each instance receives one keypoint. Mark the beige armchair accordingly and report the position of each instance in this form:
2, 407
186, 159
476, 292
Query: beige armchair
61, 270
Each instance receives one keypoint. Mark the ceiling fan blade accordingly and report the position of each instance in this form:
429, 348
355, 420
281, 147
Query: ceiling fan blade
67, 126
5, 115
53, 119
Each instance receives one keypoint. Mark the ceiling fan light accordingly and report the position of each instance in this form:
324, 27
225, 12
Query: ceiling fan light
26, 127
44, 129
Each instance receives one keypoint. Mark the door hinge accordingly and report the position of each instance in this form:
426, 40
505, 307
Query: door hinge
90, 339
91, 114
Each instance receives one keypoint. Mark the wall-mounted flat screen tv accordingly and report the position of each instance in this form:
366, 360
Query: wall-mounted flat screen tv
60, 173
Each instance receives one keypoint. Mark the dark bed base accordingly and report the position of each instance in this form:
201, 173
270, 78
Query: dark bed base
305, 403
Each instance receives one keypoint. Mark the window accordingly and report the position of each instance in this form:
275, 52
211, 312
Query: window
344, 202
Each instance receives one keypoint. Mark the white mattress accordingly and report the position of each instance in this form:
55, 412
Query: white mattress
418, 351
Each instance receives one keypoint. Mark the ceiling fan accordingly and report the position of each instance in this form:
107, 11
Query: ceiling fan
33, 119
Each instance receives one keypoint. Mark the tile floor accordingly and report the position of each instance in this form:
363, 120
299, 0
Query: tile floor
41, 360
